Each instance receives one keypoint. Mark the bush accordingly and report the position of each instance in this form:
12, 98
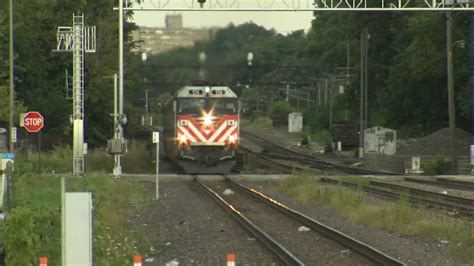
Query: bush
98, 161
279, 107
59, 160
322, 137
317, 121
437, 166
138, 160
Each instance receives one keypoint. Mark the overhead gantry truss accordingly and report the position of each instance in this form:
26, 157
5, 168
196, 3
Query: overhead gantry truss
299, 5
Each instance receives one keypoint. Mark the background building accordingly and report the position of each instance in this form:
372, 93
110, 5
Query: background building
154, 40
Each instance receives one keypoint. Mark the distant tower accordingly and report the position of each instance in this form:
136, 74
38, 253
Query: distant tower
174, 22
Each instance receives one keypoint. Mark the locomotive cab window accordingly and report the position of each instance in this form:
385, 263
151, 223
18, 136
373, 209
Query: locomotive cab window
195, 106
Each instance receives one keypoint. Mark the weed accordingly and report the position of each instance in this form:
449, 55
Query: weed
358, 180
397, 217
34, 226
437, 166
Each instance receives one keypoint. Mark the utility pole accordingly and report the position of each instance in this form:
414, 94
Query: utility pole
471, 53
146, 103
451, 100
12, 84
366, 60
287, 91
363, 76
333, 84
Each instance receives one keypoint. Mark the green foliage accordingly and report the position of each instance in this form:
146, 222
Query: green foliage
39, 74
5, 105
406, 67
19, 237
316, 120
58, 160
34, 226
322, 137
138, 159
397, 217
437, 166
279, 108
34, 223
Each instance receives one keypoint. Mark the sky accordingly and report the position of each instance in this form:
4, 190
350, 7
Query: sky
282, 22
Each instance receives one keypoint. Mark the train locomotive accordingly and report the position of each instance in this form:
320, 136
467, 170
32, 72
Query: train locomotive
201, 129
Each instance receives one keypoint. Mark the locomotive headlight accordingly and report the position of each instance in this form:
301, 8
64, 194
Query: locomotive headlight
232, 138
183, 139
207, 120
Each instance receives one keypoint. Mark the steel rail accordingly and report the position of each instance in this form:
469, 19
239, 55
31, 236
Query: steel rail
426, 193
317, 163
336, 235
413, 199
459, 184
445, 183
276, 248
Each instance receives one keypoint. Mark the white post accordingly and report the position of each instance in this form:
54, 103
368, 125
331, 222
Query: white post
339, 146
472, 159
63, 221
156, 140
117, 129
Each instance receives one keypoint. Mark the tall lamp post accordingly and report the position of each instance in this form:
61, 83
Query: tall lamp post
147, 120
12, 88
451, 98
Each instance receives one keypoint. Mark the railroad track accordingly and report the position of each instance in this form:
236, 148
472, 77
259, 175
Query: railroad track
445, 183
250, 207
272, 151
416, 196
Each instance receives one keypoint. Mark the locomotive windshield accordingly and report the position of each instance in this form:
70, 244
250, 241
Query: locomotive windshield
195, 106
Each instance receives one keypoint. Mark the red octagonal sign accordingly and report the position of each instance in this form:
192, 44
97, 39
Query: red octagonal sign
33, 121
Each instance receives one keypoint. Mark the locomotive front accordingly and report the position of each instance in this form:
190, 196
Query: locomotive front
207, 128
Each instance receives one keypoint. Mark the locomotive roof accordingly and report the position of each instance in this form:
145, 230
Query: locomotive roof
200, 91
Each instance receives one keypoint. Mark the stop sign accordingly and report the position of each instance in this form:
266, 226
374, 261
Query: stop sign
33, 121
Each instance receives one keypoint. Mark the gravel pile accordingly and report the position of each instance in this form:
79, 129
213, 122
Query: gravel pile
411, 250
438, 143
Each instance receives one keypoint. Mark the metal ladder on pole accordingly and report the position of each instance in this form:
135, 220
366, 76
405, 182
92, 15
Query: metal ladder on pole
78, 93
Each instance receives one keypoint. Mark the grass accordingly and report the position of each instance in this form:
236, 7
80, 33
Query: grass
397, 217
356, 180
34, 226
259, 121
138, 160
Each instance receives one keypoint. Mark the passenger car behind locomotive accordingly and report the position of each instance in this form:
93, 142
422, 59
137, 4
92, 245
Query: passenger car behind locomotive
201, 129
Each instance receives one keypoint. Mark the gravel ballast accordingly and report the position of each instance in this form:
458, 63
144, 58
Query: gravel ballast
412, 250
185, 225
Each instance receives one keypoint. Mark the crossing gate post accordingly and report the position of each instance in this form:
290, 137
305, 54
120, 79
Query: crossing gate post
43, 261
137, 260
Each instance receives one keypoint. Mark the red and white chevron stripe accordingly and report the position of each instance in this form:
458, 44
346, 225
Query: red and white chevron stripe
218, 132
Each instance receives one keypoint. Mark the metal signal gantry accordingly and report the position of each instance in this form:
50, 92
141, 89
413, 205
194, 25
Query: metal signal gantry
299, 5
77, 39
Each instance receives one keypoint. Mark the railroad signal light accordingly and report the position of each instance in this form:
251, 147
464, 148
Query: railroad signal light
201, 2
